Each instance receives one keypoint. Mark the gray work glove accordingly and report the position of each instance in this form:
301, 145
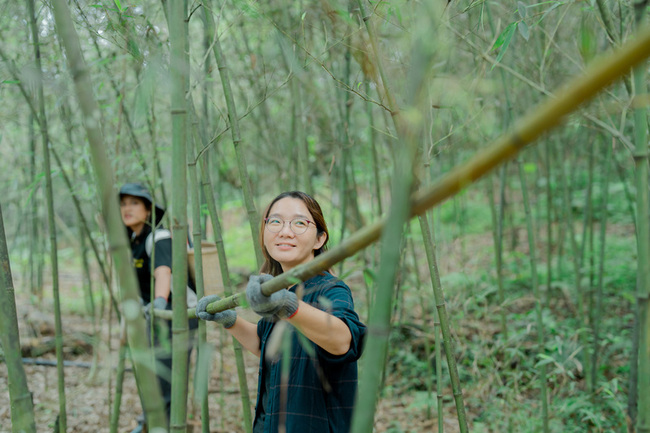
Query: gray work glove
159, 330
226, 318
282, 304
159, 303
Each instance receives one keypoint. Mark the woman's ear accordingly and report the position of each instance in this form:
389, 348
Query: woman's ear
320, 240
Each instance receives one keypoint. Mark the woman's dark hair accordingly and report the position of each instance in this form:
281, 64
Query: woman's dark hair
273, 267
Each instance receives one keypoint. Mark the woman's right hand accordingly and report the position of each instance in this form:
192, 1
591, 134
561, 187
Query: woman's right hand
226, 318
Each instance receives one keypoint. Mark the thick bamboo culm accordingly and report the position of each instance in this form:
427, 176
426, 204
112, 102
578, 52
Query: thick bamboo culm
546, 116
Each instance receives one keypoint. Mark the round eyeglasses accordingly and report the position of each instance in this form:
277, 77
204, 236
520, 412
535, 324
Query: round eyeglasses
297, 225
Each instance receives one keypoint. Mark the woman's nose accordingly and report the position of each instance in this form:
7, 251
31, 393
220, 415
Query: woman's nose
286, 229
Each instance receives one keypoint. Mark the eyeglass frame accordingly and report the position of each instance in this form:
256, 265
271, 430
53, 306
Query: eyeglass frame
266, 224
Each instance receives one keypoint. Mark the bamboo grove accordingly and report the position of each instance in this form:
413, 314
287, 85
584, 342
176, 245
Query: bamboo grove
514, 134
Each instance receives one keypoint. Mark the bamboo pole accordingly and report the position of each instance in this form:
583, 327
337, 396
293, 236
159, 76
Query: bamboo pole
139, 152
22, 407
443, 318
206, 185
598, 308
544, 117
538, 300
179, 74
35, 256
227, 284
119, 386
118, 243
201, 387
643, 243
236, 137
16, 74
62, 419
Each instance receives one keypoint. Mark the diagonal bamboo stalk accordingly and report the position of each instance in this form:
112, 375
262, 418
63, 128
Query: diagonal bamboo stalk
136, 332
543, 118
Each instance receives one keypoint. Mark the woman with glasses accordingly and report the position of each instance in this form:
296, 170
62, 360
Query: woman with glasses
318, 392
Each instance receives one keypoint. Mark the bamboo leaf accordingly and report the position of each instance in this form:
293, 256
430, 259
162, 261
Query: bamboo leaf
522, 10
530, 167
369, 277
554, 6
247, 8
202, 370
524, 30
503, 41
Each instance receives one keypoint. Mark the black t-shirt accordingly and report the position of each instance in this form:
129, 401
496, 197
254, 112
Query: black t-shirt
162, 253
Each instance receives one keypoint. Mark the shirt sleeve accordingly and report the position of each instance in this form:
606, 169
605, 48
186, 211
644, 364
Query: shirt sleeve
340, 304
163, 253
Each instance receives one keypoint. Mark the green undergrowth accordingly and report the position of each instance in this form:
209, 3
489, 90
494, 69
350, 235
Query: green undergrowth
499, 375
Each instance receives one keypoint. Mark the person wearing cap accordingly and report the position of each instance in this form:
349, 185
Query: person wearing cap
136, 209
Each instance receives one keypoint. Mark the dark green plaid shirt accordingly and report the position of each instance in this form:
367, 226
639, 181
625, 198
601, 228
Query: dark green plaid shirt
320, 388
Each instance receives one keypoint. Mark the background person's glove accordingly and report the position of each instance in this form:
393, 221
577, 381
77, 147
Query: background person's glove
282, 304
226, 318
159, 303
160, 332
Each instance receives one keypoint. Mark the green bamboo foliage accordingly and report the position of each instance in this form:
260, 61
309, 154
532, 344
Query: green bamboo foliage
253, 217
136, 333
538, 301
22, 407
179, 73
50, 212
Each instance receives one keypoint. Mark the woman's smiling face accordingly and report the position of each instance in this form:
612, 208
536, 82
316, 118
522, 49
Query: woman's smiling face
286, 247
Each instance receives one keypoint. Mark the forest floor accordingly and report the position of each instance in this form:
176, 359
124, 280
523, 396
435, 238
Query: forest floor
88, 399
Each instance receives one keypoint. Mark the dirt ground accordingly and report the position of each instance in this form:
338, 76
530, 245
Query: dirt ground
88, 398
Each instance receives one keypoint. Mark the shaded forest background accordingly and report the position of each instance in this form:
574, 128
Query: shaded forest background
545, 297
